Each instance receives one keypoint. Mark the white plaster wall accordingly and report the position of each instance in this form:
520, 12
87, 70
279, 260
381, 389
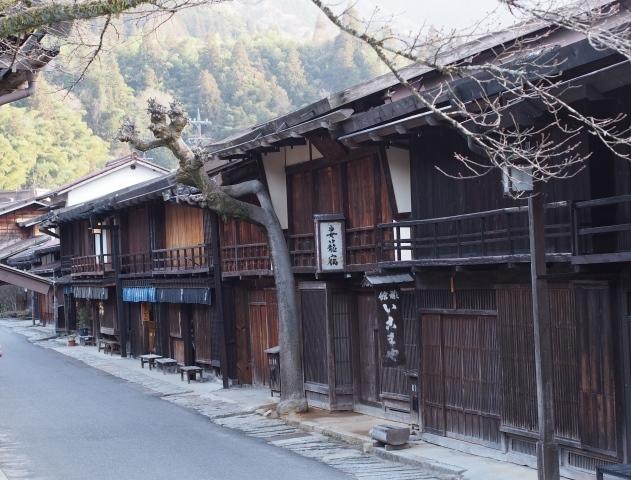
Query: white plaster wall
110, 182
274, 164
299, 154
399, 164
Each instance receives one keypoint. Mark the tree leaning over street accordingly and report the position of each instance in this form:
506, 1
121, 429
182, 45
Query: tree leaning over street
167, 125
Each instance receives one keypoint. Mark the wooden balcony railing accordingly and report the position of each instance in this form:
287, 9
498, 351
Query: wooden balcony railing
66, 264
136, 263
252, 258
489, 236
91, 265
302, 251
188, 259
361, 249
603, 229
181, 259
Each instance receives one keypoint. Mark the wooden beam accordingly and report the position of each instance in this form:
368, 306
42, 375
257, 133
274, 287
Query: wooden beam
327, 146
16, 277
547, 448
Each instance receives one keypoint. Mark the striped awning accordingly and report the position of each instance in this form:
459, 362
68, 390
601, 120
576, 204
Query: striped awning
184, 295
139, 294
92, 293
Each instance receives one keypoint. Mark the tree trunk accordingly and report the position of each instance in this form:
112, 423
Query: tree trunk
289, 332
167, 126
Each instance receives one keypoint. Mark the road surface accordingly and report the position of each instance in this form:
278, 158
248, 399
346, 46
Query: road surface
61, 419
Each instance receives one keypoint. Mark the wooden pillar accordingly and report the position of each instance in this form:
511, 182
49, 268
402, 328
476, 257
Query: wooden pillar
218, 297
33, 307
547, 449
121, 312
163, 329
187, 333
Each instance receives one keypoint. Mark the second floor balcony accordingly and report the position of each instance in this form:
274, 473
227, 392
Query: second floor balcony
592, 231
90, 265
193, 259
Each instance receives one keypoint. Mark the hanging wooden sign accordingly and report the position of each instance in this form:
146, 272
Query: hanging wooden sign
330, 244
391, 325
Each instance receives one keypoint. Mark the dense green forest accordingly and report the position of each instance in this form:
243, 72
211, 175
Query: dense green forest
234, 68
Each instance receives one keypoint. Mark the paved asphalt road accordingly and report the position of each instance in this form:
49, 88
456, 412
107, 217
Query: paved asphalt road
70, 421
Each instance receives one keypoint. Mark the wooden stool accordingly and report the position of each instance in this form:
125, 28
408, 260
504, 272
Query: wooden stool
191, 371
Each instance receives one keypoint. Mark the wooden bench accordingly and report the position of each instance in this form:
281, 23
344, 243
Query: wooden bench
109, 345
191, 371
618, 470
108, 341
165, 364
149, 358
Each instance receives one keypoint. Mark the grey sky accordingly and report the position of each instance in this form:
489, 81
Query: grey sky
439, 13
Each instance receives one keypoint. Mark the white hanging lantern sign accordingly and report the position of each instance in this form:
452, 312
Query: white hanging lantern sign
330, 235
517, 179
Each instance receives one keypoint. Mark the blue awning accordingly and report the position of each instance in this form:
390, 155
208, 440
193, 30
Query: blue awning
139, 294
184, 295
92, 293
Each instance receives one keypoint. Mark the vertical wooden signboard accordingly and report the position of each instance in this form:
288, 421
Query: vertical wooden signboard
391, 325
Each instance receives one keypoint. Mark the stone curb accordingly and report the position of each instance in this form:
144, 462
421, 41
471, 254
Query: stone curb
449, 471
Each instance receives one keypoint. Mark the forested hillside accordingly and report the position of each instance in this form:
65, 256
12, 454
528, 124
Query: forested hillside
232, 64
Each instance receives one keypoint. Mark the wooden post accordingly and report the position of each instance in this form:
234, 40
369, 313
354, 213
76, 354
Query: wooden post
187, 327
219, 310
547, 449
121, 313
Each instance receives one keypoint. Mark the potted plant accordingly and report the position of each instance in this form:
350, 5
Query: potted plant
82, 320
72, 340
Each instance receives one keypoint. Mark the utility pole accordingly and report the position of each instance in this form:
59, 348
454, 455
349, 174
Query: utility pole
547, 449
198, 123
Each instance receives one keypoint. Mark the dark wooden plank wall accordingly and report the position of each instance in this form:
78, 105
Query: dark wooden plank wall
82, 240
342, 311
109, 318
314, 332
202, 337
435, 194
597, 402
263, 329
137, 331
234, 233
135, 236
431, 375
356, 188
519, 391
176, 332
461, 377
368, 349
583, 354
184, 225
9, 228
45, 307
237, 298
174, 311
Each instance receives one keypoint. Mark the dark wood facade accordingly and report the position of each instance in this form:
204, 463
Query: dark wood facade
162, 278
457, 258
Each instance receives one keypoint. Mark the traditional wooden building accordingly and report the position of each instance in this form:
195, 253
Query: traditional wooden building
141, 272
414, 287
